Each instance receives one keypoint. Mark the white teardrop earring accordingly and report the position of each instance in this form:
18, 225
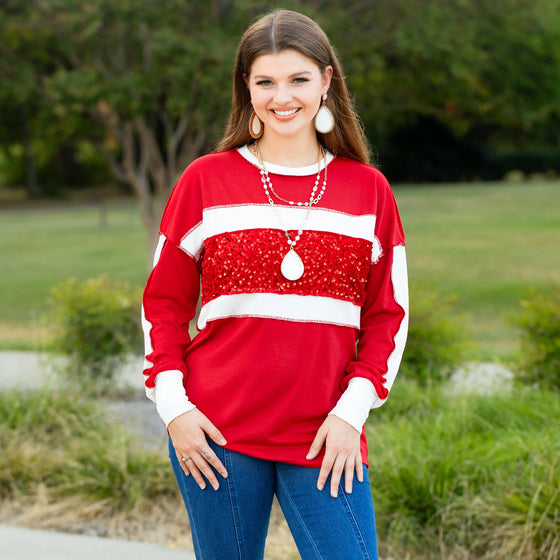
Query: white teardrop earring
255, 126
324, 120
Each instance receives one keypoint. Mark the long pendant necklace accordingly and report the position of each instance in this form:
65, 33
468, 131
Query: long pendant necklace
292, 267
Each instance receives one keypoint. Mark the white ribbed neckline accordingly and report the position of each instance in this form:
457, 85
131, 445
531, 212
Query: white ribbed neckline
281, 169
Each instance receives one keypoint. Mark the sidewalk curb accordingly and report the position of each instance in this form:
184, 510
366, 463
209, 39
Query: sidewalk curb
29, 544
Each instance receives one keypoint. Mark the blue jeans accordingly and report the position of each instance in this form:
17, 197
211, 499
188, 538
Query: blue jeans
231, 523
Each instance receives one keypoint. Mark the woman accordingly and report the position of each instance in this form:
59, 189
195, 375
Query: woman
297, 244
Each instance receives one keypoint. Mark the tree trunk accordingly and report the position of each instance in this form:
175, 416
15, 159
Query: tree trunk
153, 230
150, 169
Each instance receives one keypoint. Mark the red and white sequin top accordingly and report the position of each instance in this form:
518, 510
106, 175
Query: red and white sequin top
274, 356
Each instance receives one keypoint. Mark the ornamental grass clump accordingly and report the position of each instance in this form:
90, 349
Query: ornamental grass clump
98, 327
468, 477
63, 447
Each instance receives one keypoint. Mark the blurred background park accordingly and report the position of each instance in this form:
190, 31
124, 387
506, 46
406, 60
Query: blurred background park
104, 103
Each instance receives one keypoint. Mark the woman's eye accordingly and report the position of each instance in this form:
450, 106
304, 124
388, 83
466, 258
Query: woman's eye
269, 83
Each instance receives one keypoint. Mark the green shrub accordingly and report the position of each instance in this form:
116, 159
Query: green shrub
539, 322
435, 344
98, 327
469, 477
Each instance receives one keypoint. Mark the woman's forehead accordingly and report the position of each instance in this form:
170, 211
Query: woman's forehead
283, 63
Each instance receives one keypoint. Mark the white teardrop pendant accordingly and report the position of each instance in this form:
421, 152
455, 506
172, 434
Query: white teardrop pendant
324, 120
292, 266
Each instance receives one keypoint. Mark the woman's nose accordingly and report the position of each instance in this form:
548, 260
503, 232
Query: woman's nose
283, 94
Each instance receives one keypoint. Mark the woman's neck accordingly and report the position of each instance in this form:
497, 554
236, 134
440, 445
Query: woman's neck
293, 152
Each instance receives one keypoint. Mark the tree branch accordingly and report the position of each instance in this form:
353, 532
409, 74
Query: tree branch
173, 145
150, 149
191, 147
117, 168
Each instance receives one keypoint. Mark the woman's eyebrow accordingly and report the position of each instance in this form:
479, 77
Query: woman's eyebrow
265, 77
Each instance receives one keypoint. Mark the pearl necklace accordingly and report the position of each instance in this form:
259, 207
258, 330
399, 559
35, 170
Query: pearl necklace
292, 267
312, 200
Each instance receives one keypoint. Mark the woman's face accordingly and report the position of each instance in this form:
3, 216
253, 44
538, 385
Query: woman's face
286, 90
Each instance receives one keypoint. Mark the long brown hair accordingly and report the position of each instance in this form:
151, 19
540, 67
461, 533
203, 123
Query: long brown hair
273, 33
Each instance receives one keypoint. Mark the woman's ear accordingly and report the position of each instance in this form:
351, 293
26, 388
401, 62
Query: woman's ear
326, 77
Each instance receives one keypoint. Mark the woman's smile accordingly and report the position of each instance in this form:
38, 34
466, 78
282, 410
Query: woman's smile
285, 114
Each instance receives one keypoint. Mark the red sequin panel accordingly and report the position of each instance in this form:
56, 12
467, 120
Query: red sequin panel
249, 261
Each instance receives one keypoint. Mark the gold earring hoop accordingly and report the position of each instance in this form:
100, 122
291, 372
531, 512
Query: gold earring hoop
324, 120
256, 127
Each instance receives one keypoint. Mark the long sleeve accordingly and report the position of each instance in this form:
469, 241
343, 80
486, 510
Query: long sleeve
169, 304
170, 299
384, 315
370, 378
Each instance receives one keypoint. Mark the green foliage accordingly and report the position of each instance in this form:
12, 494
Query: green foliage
539, 322
65, 446
436, 343
465, 63
160, 72
469, 477
98, 322
441, 85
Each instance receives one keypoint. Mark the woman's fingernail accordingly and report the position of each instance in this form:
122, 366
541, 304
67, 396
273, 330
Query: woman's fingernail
222, 441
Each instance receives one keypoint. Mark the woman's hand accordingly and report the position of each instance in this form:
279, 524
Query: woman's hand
342, 454
188, 433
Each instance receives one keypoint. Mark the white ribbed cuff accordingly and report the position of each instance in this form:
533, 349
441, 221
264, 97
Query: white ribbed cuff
171, 400
356, 402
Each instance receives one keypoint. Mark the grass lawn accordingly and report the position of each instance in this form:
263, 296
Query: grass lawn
485, 244
42, 247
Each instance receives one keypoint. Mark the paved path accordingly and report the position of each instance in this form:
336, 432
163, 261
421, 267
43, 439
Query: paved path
33, 370
30, 544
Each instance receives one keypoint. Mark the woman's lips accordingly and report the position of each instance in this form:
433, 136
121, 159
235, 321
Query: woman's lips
285, 114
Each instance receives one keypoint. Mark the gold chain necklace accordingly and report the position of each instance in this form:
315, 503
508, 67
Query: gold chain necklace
312, 200
292, 267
